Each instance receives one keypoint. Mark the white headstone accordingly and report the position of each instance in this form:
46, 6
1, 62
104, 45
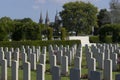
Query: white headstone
14, 70
74, 74
24, 57
108, 70
56, 74
77, 64
33, 61
53, 61
8, 57
64, 65
95, 75
114, 61
117, 77
2, 56
40, 72
4, 70
43, 61
26, 71
91, 66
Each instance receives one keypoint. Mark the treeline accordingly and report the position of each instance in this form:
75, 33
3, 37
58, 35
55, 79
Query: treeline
19, 29
25, 29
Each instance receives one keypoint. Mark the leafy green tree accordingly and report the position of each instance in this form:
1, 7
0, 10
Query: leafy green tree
79, 16
111, 30
18, 32
103, 17
3, 34
6, 28
26, 29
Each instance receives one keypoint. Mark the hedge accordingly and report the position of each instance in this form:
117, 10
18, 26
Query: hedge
95, 39
38, 43
108, 39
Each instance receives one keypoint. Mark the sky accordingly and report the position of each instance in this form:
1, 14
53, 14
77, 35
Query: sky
19, 9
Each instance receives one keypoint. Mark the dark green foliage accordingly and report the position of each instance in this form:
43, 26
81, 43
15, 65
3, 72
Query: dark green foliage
110, 29
63, 33
108, 39
50, 33
104, 17
26, 29
94, 39
3, 36
6, 27
20, 29
38, 43
79, 16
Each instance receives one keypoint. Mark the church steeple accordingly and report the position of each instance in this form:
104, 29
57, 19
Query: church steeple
56, 18
47, 21
41, 19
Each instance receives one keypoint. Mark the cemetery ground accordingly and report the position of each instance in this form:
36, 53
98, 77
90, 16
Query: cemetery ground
48, 76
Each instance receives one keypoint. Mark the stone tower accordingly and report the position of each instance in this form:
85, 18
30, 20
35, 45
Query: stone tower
56, 18
47, 21
41, 19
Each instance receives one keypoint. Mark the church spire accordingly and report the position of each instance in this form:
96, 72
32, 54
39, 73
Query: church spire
56, 17
41, 19
47, 19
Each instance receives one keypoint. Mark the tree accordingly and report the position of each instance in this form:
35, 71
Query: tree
111, 30
6, 28
26, 29
103, 17
79, 16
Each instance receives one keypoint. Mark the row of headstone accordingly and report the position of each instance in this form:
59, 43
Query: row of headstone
63, 59
63, 56
26, 71
17, 54
107, 73
28, 54
32, 58
56, 72
101, 53
106, 57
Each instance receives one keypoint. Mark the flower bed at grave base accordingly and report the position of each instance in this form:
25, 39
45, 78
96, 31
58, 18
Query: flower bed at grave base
38, 43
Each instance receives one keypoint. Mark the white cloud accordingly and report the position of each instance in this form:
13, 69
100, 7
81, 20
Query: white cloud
35, 6
40, 1
37, 3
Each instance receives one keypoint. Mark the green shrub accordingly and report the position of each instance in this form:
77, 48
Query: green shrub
38, 43
94, 39
50, 33
108, 39
63, 33
109, 29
